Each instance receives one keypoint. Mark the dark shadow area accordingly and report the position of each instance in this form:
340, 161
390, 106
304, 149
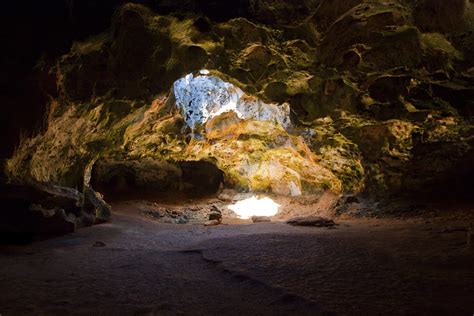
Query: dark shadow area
13, 223
155, 180
451, 187
20, 225
30, 213
35, 33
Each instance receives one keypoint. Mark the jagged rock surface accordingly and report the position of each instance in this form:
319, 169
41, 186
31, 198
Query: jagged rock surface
201, 98
380, 102
34, 209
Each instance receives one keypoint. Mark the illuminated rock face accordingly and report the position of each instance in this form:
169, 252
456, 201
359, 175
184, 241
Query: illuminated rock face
363, 124
203, 97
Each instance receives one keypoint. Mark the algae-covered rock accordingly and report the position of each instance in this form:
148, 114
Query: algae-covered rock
337, 153
372, 89
378, 32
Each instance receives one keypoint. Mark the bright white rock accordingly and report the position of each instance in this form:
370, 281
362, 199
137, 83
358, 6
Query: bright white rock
203, 97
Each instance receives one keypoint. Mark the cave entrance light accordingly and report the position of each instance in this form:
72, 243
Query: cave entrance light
204, 96
255, 206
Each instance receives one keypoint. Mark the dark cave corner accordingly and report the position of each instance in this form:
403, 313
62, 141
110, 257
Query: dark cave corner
156, 181
36, 211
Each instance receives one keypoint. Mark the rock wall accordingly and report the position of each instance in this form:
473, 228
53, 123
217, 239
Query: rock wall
381, 98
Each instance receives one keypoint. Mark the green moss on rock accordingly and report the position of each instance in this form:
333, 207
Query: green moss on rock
374, 93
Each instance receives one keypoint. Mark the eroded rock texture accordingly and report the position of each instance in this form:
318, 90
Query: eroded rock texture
381, 97
203, 97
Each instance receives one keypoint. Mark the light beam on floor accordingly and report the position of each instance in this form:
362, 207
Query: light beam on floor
255, 207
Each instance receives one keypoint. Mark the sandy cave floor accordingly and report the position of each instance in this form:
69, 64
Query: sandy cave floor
136, 265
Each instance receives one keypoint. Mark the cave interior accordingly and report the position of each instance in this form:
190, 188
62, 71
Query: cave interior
256, 157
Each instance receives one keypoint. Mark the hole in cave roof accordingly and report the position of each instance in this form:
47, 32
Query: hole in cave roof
205, 96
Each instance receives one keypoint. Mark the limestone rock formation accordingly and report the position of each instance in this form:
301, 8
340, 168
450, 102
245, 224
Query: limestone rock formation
36, 209
379, 100
203, 97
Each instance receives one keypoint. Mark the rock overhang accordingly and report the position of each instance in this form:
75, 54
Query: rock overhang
270, 64
248, 139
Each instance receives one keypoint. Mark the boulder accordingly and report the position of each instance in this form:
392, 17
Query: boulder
261, 219
213, 222
38, 210
314, 221
93, 202
215, 214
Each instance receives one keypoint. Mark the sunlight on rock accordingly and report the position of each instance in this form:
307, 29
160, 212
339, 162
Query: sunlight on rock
203, 97
254, 206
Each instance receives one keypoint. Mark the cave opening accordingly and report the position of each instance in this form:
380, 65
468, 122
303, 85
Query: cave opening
156, 181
